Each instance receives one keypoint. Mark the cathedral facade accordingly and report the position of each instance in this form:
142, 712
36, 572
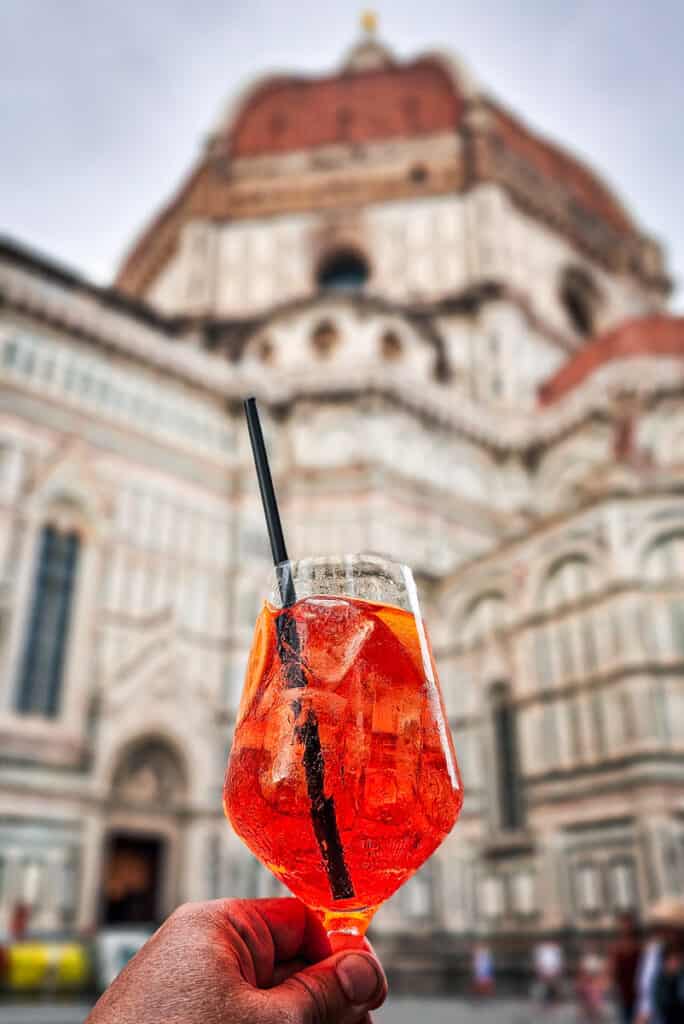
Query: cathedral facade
460, 345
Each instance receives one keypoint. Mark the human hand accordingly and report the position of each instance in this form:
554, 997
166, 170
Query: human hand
243, 962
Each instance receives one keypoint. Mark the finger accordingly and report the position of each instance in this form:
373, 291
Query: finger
251, 941
264, 933
295, 930
339, 990
282, 972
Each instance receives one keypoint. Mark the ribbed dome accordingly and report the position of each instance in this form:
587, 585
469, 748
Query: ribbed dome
394, 101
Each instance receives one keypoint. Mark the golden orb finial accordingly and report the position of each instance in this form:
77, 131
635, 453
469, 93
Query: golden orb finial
369, 22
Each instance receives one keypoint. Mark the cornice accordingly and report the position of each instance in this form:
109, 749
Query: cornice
89, 315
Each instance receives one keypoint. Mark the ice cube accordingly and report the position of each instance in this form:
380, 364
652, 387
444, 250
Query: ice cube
331, 634
389, 795
330, 709
281, 776
437, 796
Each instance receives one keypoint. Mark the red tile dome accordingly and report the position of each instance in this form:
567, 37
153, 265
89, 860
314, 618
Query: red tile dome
655, 335
396, 101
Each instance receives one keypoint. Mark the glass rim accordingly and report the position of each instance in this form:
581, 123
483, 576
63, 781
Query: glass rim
346, 556
363, 575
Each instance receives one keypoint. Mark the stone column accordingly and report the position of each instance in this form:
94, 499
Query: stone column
53, 890
90, 875
552, 894
10, 894
652, 836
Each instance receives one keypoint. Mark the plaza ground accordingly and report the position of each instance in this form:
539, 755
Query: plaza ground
396, 1011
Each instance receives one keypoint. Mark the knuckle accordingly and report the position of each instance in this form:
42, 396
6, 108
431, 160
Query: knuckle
186, 912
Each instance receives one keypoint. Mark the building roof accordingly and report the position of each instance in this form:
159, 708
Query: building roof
374, 98
554, 164
286, 114
654, 335
24, 256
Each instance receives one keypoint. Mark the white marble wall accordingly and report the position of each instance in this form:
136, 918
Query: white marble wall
419, 250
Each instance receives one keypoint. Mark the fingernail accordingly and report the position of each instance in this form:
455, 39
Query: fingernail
359, 978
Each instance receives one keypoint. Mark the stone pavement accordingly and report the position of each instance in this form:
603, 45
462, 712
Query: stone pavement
396, 1011
458, 1011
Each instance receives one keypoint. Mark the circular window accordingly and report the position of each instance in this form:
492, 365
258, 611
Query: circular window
266, 352
344, 271
324, 339
391, 346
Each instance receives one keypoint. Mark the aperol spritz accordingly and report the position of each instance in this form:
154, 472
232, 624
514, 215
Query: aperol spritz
342, 777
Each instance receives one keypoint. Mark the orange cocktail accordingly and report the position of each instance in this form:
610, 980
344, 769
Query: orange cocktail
342, 777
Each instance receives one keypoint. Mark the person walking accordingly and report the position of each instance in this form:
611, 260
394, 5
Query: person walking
592, 984
625, 955
665, 922
483, 971
548, 969
668, 987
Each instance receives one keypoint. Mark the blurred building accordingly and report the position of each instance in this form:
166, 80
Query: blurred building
459, 341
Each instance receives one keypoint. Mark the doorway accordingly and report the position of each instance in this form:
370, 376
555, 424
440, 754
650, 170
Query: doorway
132, 879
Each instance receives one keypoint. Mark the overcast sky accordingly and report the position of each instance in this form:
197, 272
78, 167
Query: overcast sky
104, 106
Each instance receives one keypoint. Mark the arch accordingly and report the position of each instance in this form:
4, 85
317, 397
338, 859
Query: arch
566, 647
67, 490
150, 770
483, 616
569, 577
343, 270
662, 619
545, 562
662, 557
569, 465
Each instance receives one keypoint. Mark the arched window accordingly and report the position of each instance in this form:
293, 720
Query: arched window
485, 615
344, 271
42, 665
580, 298
573, 636
569, 580
664, 559
663, 563
418, 895
510, 794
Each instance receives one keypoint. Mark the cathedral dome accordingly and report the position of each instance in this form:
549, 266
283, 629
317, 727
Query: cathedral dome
655, 335
378, 129
384, 101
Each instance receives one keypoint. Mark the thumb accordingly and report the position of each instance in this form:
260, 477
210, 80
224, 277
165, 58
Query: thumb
339, 990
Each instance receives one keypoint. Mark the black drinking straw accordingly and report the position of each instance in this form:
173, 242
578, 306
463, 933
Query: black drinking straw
323, 815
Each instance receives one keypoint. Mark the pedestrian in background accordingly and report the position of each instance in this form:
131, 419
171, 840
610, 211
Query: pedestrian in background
592, 985
625, 954
668, 987
483, 971
665, 922
548, 969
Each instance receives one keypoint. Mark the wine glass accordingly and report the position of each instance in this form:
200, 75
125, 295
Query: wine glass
342, 777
